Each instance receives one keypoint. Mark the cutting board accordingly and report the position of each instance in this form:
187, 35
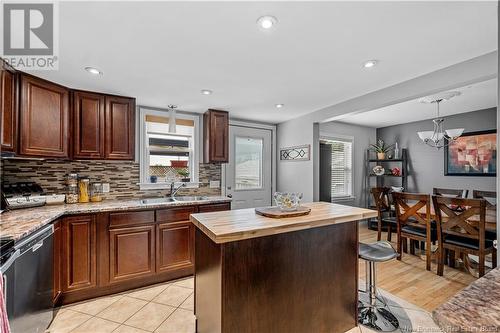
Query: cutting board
277, 213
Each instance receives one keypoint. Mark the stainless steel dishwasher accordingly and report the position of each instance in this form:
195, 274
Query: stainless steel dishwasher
29, 283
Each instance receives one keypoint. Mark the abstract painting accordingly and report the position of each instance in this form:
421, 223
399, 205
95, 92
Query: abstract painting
472, 154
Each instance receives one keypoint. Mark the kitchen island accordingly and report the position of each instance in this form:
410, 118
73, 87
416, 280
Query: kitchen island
259, 274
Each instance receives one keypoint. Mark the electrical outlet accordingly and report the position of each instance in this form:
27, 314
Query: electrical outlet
215, 184
105, 187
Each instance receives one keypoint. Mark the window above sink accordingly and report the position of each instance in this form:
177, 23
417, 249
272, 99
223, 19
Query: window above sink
168, 153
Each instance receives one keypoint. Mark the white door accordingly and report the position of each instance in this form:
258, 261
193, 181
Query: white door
248, 173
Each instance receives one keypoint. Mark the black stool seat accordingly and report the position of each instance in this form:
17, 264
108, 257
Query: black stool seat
377, 252
390, 220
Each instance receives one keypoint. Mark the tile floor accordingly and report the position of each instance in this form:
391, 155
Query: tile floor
168, 308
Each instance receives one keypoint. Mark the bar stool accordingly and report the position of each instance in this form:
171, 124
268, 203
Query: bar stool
373, 310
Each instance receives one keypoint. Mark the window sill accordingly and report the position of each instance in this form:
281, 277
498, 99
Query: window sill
343, 199
165, 186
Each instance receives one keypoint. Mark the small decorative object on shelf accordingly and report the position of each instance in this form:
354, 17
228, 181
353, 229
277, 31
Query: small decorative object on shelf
378, 170
287, 201
396, 151
381, 149
397, 188
396, 171
153, 179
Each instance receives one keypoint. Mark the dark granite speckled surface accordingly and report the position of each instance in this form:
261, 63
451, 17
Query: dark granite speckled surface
22, 222
474, 309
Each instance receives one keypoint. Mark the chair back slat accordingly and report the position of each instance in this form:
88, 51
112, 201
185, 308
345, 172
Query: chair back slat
381, 198
450, 192
453, 217
408, 206
491, 195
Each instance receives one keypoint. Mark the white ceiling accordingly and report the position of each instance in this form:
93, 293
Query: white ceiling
166, 52
475, 97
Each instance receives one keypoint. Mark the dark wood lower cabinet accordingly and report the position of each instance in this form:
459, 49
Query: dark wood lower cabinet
175, 246
105, 253
79, 253
131, 253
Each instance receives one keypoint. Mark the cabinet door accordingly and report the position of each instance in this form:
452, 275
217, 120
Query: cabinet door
214, 207
120, 128
216, 136
44, 118
88, 139
79, 253
131, 253
57, 260
8, 108
175, 246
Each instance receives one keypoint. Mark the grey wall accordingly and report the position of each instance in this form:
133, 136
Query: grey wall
363, 136
426, 164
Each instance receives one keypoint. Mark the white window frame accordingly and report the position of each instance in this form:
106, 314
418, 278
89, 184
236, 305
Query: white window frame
144, 151
342, 137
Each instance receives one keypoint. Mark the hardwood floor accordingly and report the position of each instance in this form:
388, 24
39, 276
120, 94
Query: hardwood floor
409, 280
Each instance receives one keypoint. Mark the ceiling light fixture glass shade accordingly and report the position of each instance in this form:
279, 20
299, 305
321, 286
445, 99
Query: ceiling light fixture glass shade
172, 114
439, 138
267, 22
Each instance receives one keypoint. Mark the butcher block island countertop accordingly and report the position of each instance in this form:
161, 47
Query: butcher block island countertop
267, 275
234, 225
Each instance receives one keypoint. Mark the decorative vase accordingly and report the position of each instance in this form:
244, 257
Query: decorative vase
396, 151
381, 156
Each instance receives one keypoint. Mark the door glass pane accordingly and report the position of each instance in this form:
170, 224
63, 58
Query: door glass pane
248, 163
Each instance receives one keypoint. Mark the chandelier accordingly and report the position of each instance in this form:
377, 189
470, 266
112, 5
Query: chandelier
439, 138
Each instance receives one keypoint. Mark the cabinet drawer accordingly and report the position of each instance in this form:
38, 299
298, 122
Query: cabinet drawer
131, 218
175, 214
215, 207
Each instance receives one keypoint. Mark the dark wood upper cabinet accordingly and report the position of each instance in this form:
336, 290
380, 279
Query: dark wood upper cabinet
44, 118
216, 136
88, 120
8, 108
79, 258
120, 128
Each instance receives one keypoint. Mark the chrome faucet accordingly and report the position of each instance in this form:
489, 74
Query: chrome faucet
173, 190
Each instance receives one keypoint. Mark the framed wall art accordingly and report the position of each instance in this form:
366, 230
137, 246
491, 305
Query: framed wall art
472, 154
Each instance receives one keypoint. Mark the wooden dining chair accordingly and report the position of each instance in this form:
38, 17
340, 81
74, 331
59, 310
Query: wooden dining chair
490, 197
385, 214
447, 192
461, 228
413, 224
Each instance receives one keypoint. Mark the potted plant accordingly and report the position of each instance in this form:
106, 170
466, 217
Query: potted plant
184, 173
381, 149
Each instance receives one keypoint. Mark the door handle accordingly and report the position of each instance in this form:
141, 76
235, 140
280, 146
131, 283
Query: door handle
37, 246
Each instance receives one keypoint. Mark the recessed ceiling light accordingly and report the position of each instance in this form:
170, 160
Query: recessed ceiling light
370, 63
267, 22
279, 106
93, 70
206, 92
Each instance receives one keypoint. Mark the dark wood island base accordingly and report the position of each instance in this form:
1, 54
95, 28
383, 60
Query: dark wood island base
299, 281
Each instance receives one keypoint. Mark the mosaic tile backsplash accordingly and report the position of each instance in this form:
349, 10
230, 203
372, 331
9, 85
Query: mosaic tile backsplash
123, 176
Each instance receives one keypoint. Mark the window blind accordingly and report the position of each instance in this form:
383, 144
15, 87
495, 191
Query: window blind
341, 185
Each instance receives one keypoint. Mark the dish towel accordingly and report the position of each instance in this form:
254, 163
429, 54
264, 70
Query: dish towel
4, 320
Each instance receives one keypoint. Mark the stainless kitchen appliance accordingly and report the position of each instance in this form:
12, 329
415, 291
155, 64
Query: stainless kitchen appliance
28, 282
22, 195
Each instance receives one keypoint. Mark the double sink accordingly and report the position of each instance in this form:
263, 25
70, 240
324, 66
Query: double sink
174, 199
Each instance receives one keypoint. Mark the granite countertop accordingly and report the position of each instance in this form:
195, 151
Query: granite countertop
474, 309
233, 225
19, 223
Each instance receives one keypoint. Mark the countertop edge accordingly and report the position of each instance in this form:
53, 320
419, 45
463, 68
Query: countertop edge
273, 230
68, 210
